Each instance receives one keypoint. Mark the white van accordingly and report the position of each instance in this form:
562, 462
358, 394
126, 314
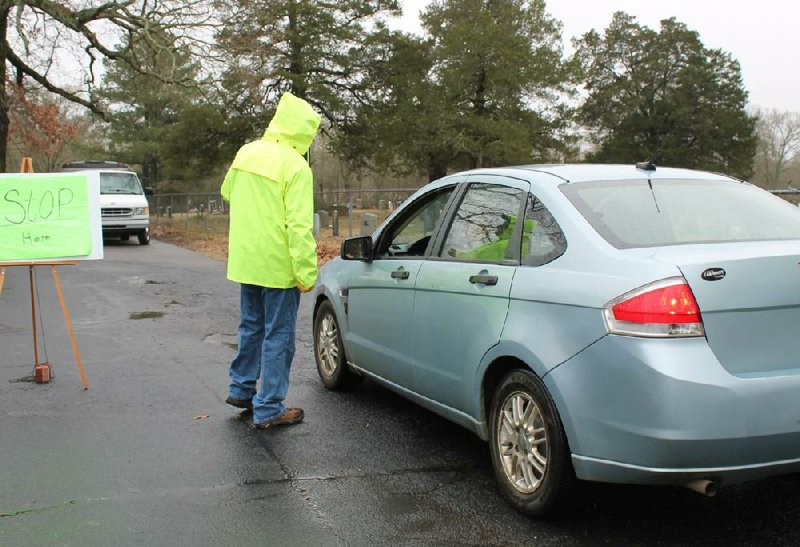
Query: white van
124, 208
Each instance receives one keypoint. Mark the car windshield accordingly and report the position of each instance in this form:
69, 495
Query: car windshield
674, 212
119, 183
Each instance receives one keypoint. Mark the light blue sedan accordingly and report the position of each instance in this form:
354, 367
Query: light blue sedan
631, 324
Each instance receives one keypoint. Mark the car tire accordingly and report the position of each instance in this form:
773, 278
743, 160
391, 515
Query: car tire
329, 351
530, 454
144, 237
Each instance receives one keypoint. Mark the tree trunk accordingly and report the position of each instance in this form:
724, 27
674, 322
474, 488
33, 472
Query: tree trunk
296, 68
435, 169
154, 174
4, 121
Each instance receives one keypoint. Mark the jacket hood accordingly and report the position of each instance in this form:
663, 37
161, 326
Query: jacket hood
295, 123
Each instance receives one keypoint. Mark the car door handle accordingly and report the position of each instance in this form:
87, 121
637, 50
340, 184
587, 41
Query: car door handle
399, 274
483, 279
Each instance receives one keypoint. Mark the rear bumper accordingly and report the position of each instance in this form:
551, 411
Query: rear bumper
607, 471
666, 411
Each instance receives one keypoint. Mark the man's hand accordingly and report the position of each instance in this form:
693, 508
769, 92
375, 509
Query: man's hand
304, 289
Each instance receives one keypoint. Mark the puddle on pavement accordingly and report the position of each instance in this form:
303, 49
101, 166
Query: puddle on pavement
147, 314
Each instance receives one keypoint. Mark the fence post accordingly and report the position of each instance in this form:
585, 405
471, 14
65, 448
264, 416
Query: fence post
205, 223
350, 216
336, 222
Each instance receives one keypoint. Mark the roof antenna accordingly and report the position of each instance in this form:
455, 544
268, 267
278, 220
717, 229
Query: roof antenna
650, 165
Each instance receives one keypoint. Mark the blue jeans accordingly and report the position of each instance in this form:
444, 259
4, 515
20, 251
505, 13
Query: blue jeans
266, 349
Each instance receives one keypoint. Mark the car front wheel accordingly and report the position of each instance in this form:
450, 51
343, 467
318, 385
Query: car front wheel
530, 455
329, 351
144, 237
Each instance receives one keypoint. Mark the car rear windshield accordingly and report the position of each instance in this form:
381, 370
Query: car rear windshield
674, 212
119, 183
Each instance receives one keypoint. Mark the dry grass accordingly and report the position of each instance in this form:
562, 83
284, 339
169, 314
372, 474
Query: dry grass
216, 245
208, 234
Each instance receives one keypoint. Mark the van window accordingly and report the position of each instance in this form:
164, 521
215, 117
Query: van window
120, 183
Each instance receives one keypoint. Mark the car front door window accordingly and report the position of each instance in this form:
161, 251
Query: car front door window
412, 234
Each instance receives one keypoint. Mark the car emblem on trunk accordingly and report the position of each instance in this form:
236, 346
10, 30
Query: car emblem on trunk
713, 274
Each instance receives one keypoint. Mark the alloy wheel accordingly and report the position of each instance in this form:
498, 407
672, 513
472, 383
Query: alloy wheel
328, 345
522, 442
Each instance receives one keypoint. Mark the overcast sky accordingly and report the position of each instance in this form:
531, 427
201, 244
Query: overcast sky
763, 35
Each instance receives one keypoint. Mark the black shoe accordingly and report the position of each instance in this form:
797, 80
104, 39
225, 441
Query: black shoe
240, 403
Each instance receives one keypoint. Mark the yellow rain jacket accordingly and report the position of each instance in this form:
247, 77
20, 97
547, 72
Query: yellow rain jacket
271, 194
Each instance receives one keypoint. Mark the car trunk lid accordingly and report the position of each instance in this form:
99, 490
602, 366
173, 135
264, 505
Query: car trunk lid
749, 299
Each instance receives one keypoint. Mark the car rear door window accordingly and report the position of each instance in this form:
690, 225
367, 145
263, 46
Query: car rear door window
485, 224
542, 238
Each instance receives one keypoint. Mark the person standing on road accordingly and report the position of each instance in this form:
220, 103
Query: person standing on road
272, 254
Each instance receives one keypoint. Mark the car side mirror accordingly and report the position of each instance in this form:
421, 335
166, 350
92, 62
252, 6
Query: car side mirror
148, 191
357, 248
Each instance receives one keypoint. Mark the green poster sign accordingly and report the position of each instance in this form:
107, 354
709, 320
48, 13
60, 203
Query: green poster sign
44, 217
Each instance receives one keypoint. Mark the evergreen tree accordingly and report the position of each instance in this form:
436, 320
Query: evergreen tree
483, 87
147, 107
313, 49
651, 90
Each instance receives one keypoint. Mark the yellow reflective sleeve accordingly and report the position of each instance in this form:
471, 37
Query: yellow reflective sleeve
299, 202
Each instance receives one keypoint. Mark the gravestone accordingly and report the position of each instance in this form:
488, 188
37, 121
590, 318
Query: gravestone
324, 219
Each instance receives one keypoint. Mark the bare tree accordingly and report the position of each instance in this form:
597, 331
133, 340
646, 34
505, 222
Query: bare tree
778, 146
60, 45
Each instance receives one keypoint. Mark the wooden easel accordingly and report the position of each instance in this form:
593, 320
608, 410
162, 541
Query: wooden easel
26, 166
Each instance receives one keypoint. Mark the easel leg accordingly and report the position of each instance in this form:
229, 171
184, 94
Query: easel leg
33, 316
69, 329
2, 279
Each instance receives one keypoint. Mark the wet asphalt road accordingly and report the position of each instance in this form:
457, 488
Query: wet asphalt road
126, 463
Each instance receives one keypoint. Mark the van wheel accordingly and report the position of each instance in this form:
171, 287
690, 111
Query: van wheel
530, 455
144, 237
329, 351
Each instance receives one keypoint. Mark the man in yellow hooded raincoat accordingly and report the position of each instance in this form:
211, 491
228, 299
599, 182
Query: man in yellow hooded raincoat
272, 254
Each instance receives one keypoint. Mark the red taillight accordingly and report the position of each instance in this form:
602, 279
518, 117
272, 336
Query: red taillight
666, 308
672, 304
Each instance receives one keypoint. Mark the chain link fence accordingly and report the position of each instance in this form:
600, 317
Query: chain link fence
340, 214
343, 213
791, 195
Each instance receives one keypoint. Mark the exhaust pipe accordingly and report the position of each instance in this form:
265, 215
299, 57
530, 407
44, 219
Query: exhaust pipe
703, 486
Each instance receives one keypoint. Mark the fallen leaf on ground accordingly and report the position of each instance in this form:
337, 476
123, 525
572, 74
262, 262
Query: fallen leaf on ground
200, 417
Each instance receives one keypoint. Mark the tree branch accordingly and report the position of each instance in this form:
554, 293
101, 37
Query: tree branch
72, 97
